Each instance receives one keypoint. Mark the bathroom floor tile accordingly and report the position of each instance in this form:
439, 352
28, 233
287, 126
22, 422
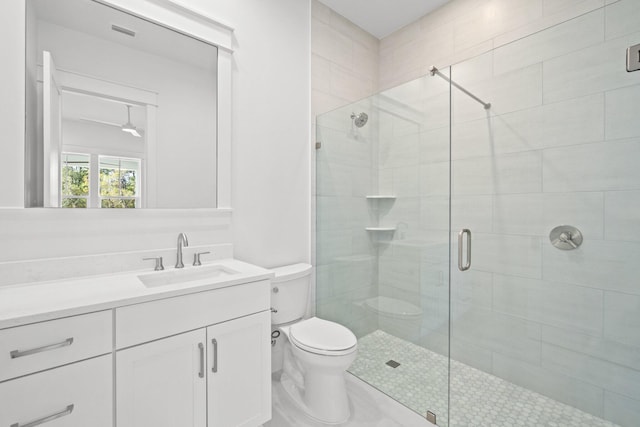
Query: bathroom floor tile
420, 383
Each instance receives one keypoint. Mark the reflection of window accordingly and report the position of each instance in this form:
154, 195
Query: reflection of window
90, 180
74, 180
119, 182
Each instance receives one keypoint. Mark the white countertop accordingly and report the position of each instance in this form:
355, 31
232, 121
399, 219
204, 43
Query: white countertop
40, 301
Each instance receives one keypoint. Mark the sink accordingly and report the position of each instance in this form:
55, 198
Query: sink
174, 277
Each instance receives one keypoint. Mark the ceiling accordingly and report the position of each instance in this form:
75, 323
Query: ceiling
383, 17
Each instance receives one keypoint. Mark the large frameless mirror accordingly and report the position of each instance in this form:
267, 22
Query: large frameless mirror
121, 112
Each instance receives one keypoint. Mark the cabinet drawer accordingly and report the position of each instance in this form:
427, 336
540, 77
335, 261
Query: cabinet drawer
31, 348
145, 322
76, 395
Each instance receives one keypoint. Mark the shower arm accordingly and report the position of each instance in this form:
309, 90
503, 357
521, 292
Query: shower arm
433, 70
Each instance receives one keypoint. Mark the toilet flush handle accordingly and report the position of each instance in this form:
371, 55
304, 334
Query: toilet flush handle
275, 290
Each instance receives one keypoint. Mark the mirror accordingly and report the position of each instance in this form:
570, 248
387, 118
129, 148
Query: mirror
121, 112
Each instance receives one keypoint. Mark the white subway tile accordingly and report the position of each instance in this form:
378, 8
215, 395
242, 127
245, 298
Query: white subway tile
509, 173
594, 346
622, 210
610, 376
557, 385
537, 214
434, 179
598, 68
622, 18
512, 91
472, 212
567, 37
622, 116
620, 409
511, 255
607, 265
550, 303
622, 317
498, 332
592, 167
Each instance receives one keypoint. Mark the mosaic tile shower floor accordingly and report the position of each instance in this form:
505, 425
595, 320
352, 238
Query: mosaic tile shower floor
481, 399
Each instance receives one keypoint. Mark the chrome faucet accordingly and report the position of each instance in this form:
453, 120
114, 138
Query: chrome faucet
182, 241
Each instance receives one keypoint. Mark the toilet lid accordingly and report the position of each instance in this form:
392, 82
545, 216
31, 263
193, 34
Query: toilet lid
322, 336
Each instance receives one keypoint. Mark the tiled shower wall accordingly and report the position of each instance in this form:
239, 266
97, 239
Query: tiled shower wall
560, 145
344, 67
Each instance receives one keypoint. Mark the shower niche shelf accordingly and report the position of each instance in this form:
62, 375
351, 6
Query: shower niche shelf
381, 229
381, 197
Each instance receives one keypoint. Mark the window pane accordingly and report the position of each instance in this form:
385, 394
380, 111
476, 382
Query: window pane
119, 177
75, 175
118, 203
74, 203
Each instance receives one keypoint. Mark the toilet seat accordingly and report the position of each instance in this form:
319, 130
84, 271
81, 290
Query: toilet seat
322, 337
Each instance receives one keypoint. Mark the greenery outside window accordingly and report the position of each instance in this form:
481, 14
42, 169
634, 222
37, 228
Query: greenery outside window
90, 181
74, 180
119, 182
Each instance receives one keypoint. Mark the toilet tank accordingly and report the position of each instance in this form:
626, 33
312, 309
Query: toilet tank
290, 292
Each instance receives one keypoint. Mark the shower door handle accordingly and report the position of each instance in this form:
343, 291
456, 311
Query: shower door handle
461, 234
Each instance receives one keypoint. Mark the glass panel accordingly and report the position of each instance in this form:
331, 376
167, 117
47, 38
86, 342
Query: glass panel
119, 182
382, 206
74, 180
541, 335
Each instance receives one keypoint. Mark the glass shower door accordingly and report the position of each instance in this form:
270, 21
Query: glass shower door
544, 325
382, 250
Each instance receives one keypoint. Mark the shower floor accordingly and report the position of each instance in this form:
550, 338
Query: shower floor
420, 383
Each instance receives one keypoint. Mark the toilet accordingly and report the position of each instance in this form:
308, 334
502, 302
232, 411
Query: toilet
316, 352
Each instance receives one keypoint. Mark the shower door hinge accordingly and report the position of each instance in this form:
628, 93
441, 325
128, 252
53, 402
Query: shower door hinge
318, 145
431, 417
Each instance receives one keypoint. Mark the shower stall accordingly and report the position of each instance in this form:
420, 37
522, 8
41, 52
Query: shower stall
478, 229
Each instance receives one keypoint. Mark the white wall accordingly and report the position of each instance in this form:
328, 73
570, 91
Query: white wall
270, 151
270, 172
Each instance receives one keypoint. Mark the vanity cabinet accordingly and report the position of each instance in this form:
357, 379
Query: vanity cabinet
199, 360
239, 371
163, 383
76, 395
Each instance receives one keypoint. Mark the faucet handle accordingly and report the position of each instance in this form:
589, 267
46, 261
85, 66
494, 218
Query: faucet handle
159, 266
196, 257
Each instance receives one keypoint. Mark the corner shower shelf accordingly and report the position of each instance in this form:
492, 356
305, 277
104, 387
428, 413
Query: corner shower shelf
381, 197
380, 229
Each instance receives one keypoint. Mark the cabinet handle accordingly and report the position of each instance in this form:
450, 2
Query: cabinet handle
17, 353
214, 369
201, 347
68, 410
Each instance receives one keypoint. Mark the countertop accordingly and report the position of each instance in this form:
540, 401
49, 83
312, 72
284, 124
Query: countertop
40, 301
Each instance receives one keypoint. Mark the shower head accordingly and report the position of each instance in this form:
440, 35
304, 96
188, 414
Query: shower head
359, 119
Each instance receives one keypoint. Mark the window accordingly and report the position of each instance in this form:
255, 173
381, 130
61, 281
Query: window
119, 180
91, 180
74, 180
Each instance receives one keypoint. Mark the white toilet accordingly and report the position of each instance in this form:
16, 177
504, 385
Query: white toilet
316, 353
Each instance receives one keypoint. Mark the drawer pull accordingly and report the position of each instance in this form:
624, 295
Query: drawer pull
68, 410
17, 353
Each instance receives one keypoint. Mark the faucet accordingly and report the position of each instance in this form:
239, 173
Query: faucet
182, 241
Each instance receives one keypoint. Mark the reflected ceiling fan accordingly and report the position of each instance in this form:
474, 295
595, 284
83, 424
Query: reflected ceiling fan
128, 127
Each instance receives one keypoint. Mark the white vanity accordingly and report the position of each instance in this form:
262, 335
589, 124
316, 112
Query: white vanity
114, 350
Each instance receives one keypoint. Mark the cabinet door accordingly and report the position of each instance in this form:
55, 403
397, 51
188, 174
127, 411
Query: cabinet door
163, 383
75, 395
239, 371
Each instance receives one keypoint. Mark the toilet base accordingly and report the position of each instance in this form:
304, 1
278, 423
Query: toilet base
296, 395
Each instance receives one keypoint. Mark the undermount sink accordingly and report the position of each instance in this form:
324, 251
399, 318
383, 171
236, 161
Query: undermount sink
174, 277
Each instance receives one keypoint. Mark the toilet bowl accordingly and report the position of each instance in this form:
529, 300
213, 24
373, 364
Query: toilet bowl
316, 353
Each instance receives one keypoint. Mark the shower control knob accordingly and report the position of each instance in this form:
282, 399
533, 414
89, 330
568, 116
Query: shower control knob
275, 290
565, 237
